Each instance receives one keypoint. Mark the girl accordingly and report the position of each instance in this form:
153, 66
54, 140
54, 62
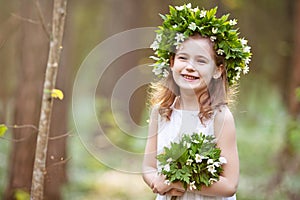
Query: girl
196, 68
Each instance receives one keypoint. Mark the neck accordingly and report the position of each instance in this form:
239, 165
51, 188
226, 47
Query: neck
188, 100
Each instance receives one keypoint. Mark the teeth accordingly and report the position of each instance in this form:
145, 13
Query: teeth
189, 77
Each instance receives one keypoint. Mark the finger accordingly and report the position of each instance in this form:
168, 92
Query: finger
175, 193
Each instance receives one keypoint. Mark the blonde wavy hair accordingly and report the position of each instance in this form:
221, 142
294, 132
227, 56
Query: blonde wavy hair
163, 92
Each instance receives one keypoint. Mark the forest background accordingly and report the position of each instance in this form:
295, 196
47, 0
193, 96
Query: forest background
266, 108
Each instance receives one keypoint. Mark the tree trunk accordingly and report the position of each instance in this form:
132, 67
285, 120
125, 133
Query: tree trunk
39, 170
288, 158
56, 157
31, 56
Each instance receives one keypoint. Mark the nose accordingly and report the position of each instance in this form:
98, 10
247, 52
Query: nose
189, 67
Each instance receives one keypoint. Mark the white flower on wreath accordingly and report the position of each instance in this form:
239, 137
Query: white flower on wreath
158, 37
192, 26
247, 61
246, 69
233, 22
220, 51
247, 49
202, 13
195, 9
154, 45
165, 73
179, 8
243, 41
189, 5
156, 70
179, 37
213, 38
214, 30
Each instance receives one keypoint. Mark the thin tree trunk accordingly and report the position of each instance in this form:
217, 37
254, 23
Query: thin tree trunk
39, 171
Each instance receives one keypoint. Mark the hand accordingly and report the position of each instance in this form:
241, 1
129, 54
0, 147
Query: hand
175, 192
159, 185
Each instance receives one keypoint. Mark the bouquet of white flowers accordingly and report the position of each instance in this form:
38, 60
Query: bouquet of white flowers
195, 161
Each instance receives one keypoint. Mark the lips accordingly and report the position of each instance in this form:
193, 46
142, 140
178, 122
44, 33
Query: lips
189, 77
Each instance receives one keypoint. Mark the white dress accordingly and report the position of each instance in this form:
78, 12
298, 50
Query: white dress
183, 122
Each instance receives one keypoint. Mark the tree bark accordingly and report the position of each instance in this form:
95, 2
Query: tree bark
39, 171
30, 54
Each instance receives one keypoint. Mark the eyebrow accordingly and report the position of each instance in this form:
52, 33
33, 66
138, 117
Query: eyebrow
186, 54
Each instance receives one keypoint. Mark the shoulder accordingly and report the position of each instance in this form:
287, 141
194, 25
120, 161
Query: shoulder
223, 114
154, 113
224, 121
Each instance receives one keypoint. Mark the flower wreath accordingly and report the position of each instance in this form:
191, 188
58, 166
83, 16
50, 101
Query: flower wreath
184, 21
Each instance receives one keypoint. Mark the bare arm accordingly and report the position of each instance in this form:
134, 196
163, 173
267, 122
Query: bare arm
154, 181
226, 141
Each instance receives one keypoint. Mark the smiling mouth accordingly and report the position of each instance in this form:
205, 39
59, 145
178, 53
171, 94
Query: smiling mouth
189, 77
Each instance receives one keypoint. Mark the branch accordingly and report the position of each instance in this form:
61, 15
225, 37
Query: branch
41, 18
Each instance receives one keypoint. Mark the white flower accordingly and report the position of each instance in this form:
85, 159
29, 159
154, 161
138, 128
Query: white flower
154, 45
157, 71
189, 5
199, 158
154, 58
220, 51
202, 13
167, 167
238, 69
192, 186
246, 69
210, 161
217, 164
211, 169
179, 7
192, 26
195, 9
196, 141
179, 37
238, 75
243, 41
186, 144
233, 22
165, 73
213, 38
247, 49
175, 26
222, 160
189, 162
158, 37
169, 160
212, 180
214, 30
247, 61
167, 182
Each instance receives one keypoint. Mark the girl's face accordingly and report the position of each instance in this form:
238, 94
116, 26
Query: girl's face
194, 64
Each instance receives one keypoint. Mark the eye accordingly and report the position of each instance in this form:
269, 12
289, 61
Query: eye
181, 57
201, 61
